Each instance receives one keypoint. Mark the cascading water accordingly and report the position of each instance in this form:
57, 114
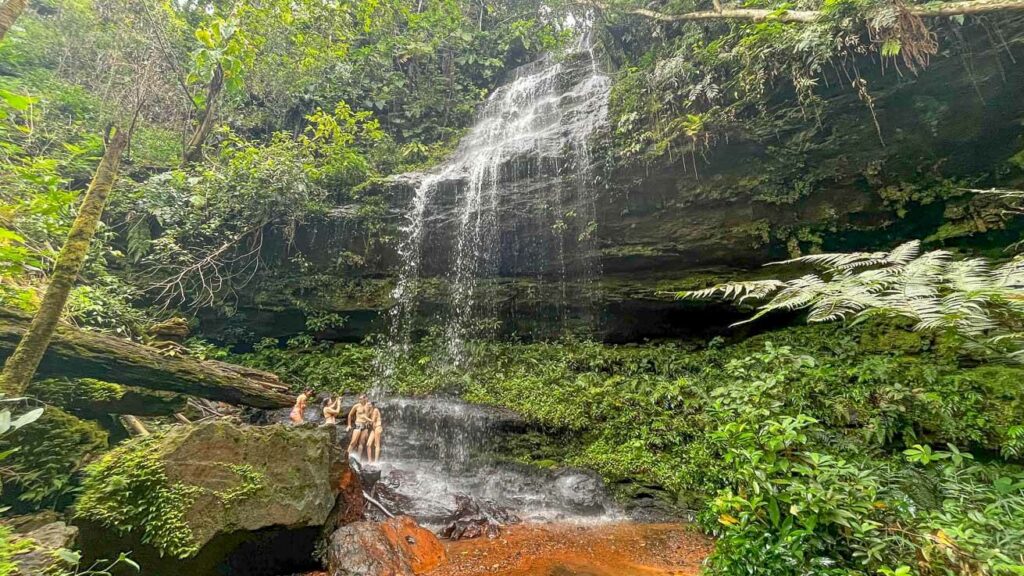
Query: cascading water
436, 450
515, 200
439, 449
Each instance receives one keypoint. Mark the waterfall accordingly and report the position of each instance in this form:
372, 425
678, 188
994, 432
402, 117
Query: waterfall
438, 449
515, 200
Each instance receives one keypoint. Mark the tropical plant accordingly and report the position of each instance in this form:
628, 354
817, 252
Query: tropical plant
10, 423
972, 298
22, 364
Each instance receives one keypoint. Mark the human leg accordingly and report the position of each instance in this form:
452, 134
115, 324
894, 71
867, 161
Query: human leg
363, 438
354, 441
376, 443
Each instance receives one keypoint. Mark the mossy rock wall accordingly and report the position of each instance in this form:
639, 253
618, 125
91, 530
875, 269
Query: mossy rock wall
787, 182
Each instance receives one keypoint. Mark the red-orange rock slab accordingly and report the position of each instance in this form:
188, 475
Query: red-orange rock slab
613, 549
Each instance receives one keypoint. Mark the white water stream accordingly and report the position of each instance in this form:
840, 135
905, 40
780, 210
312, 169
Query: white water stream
522, 177
515, 199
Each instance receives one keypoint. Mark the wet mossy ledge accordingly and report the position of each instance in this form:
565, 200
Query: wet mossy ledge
194, 494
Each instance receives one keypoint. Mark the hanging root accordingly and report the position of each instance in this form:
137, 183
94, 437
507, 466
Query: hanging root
899, 33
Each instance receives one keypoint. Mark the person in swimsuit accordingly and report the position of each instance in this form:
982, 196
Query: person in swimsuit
300, 407
373, 444
331, 407
363, 427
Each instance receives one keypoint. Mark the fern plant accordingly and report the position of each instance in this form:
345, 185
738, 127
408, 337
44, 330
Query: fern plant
972, 297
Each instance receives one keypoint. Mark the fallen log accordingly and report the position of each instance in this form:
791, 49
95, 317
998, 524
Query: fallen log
75, 353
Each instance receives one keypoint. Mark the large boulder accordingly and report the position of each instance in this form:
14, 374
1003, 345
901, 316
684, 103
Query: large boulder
397, 547
197, 495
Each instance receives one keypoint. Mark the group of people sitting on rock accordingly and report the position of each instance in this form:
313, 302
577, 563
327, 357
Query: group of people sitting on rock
364, 422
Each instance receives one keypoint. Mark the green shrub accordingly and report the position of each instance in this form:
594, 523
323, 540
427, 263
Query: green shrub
49, 453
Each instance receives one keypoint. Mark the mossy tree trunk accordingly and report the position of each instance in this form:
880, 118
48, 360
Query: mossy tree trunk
194, 148
9, 13
22, 364
74, 353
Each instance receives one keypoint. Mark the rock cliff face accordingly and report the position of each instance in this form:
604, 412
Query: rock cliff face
808, 184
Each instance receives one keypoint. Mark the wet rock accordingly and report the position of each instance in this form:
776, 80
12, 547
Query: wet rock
655, 504
368, 475
391, 499
350, 506
582, 490
397, 547
474, 518
46, 539
29, 522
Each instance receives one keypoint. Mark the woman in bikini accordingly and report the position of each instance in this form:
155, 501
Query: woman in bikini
300, 407
373, 444
331, 407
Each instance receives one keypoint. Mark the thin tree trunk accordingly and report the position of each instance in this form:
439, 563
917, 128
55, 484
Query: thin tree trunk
9, 13
194, 148
22, 364
758, 14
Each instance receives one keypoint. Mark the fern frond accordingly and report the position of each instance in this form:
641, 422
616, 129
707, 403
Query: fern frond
904, 253
740, 291
932, 289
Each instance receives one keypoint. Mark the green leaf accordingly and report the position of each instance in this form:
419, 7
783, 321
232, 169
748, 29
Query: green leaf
69, 556
124, 559
773, 511
27, 418
17, 101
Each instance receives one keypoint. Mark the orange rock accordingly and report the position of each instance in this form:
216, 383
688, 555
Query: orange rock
397, 547
351, 493
420, 549
611, 549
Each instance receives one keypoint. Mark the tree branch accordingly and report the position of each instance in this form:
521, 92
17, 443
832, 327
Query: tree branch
806, 16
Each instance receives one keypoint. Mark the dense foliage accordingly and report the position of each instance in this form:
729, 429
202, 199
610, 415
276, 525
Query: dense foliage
47, 455
307, 101
812, 450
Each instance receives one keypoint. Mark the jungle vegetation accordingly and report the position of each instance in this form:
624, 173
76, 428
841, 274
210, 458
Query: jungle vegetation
886, 441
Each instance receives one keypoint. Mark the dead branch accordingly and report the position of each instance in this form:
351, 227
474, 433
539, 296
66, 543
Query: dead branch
206, 275
807, 16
